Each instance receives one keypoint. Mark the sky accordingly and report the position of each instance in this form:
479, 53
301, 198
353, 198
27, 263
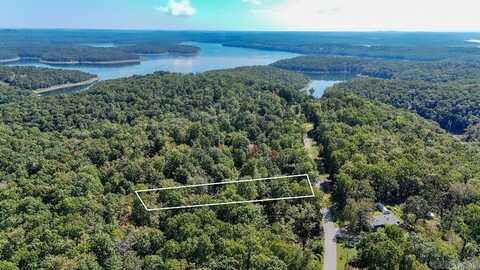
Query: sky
289, 15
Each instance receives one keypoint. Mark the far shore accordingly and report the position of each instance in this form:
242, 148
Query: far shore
65, 86
318, 72
3, 61
116, 62
106, 63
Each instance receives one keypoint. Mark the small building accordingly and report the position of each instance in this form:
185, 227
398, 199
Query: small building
382, 208
430, 215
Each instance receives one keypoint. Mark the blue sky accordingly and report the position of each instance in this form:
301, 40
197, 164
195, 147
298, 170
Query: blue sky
318, 15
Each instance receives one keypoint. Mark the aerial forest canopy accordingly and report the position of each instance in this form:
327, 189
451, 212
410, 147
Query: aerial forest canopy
434, 72
444, 91
33, 78
378, 153
69, 166
454, 106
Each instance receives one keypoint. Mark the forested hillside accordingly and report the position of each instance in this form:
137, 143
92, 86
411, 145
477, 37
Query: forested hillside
455, 106
35, 78
378, 153
69, 165
86, 54
10, 94
444, 91
435, 72
416, 53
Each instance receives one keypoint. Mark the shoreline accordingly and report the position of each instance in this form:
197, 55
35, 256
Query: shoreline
115, 62
66, 86
71, 63
106, 63
307, 87
318, 72
10, 60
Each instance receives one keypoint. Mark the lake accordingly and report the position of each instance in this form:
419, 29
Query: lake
321, 82
211, 56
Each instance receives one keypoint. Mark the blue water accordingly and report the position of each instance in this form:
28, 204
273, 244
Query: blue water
321, 82
320, 86
211, 56
99, 45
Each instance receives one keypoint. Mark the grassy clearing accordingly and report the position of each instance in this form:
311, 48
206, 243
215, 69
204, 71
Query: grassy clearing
326, 200
307, 127
397, 210
343, 255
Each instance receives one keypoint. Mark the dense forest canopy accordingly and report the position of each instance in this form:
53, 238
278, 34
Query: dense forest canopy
69, 166
444, 91
378, 153
435, 72
454, 106
33, 78
86, 54
10, 94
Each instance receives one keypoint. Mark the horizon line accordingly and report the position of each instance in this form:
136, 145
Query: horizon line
238, 30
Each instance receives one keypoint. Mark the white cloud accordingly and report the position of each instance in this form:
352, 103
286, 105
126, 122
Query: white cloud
178, 8
409, 15
253, 2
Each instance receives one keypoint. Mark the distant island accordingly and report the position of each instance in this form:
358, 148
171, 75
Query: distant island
87, 55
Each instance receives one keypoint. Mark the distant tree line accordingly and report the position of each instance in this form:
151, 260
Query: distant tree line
434, 72
160, 48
